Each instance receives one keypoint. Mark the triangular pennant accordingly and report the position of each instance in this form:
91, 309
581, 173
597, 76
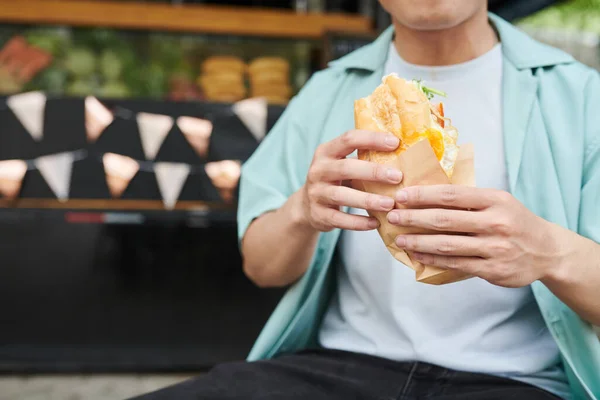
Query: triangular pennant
197, 132
97, 118
253, 114
29, 110
170, 178
119, 171
224, 176
154, 128
56, 170
12, 173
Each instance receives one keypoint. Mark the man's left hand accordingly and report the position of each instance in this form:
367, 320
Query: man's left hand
482, 232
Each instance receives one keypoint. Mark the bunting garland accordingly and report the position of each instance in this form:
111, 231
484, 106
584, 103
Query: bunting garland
29, 109
154, 129
253, 114
56, 169
97, 118
119, 171
197, 131
170, 178
12, 173
224, 176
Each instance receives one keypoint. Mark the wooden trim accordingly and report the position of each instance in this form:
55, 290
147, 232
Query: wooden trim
185, 18
114, 205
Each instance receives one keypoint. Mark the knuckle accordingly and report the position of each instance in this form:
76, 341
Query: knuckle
416, 195
348, 138
407, 218
315, 216
313, 192
448, 194
343, 170
497, 274
413, 243
501, 248
321, 151
333, 218
446, 247
442, 220
454, 262
502, 226
377, 172
370, 202
377, 138
314, 173
357, 224
336, 195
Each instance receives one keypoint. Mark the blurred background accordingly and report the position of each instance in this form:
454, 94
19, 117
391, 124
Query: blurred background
122, 128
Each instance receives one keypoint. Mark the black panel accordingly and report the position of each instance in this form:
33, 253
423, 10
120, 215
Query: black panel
101, 298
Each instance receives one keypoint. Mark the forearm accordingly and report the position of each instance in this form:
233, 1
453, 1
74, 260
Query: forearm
278, 246
576, 277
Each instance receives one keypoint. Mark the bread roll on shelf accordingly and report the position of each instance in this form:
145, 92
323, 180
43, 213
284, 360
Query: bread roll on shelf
218, 64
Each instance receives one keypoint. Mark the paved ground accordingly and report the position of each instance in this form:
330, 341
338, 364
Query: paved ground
92, 387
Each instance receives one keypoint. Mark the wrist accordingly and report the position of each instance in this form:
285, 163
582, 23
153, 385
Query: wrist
566, 254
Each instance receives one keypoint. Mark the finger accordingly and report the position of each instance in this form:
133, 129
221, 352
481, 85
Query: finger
352, 140
469, 265
445, 245
344, 196
439, 219
337, 219
351, 169
453, 196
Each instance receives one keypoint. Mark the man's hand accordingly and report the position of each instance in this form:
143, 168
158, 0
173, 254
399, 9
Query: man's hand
482, 232
323, 194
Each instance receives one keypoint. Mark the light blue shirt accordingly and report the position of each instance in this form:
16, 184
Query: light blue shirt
551, 127
380, 309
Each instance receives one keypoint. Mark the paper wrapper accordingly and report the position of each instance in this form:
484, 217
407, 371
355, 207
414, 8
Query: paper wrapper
420, 166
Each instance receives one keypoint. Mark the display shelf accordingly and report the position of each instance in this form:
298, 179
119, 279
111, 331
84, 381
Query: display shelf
117, 212
182, 18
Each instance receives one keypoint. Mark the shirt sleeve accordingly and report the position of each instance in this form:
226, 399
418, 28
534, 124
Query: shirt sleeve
277, 168
589, 211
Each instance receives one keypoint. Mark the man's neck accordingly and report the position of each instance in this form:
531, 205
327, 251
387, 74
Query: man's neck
459, 44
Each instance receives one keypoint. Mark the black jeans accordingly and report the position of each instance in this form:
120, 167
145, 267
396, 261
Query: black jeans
333, 375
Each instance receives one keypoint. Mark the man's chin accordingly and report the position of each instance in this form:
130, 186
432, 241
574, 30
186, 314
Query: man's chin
430, 24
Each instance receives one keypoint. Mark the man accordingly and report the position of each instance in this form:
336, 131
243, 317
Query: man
355, 324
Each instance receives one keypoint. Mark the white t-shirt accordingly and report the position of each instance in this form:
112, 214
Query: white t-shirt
474, 326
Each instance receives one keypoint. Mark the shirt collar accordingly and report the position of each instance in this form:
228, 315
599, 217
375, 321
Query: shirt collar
517, 47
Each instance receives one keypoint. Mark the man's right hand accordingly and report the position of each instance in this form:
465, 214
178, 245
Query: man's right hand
324, 192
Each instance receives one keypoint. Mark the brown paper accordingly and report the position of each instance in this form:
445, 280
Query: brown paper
420, 166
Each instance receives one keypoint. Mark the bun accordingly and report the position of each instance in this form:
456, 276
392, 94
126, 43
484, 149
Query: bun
273, 65
272, 90
219, 64
400, 107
